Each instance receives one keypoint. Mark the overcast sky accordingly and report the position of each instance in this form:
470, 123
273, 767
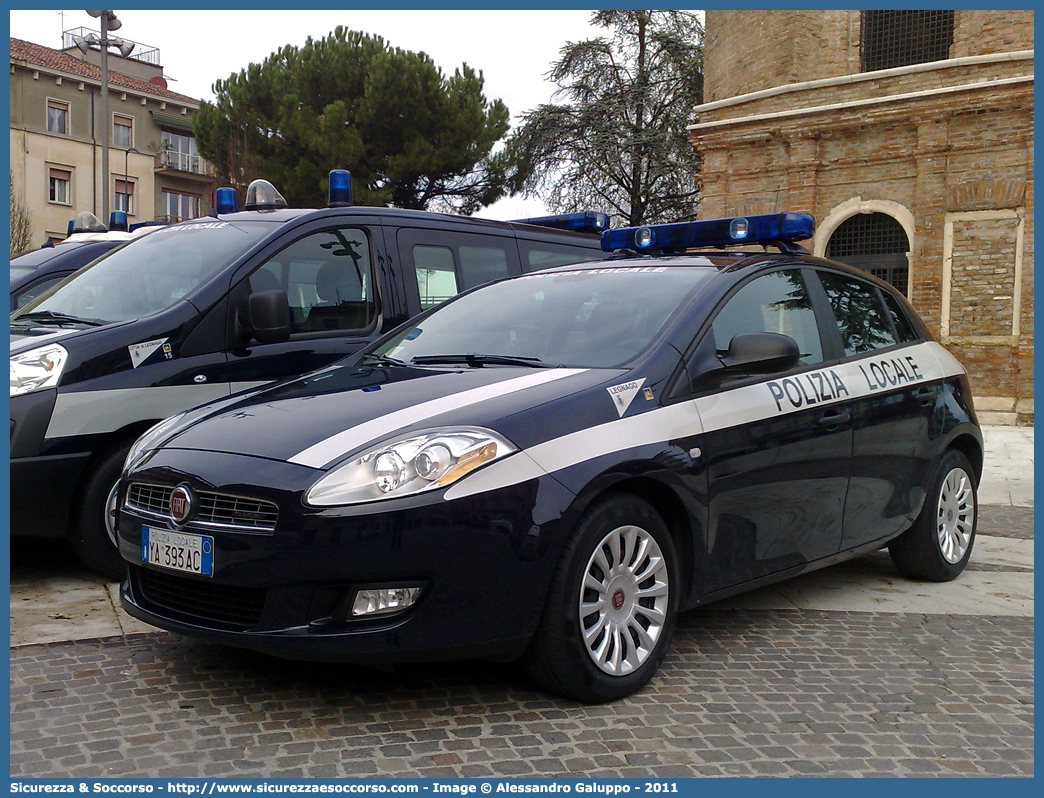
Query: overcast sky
514, 49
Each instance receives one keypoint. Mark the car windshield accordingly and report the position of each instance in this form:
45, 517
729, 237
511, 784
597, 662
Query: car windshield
593, 318
151, 273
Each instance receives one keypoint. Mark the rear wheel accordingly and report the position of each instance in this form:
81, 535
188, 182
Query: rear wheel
939, 544
611, 607
93, 537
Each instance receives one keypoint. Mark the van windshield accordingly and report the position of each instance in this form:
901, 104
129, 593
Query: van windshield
150, 273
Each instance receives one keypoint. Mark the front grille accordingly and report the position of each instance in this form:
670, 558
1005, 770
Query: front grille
198, 600
215, 509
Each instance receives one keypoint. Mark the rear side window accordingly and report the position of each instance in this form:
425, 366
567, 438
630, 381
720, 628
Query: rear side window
443, 263
903, 328
538, 255
861, 316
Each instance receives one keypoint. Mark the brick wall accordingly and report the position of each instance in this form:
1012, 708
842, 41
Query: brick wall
946, 148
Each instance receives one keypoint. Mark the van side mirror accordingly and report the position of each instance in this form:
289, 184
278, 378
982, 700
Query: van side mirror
761, 353
269, 315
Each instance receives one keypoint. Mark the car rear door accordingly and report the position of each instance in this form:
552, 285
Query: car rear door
892, 409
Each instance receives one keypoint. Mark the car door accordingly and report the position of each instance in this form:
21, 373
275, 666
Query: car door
891, 412
776, 446
330, 276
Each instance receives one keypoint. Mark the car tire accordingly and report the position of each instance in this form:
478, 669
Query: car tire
611, 606
938, 545
93, 537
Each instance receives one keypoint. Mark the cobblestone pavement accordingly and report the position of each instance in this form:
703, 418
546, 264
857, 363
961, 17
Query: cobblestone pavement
744, 693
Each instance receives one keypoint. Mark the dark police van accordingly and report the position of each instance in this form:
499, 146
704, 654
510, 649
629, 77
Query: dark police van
552, 466
205, 308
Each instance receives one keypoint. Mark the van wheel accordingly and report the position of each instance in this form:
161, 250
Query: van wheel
938, 545
93, 536
611, 606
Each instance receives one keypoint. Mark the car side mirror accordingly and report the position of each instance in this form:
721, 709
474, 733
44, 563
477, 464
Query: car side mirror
761, 353
269, 315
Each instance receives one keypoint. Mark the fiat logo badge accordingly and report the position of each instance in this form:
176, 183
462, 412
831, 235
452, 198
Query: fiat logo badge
181, 504
618, 599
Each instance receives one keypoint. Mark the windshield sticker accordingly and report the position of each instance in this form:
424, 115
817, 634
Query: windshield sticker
623, 395
139, 353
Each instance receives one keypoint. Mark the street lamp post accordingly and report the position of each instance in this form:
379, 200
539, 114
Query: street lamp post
108, 22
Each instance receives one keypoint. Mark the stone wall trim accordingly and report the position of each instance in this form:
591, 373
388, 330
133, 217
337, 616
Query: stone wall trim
973, 60
834, 107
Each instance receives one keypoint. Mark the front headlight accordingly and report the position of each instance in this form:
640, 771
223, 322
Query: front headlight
37, 369
406, 466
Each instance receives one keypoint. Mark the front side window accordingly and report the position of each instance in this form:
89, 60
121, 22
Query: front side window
58, 117
59, 186
777, 302
860, 314
122, 132
153, 272
328, 280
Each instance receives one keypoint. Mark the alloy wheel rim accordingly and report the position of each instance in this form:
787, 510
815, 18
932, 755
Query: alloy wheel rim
110, 515
956, 518
623, 600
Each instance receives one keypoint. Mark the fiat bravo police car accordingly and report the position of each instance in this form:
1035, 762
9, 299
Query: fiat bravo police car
552, 466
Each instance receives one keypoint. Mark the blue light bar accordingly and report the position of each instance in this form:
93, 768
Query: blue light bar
225, 200
340, 193
764, 229
118, 221
581, 222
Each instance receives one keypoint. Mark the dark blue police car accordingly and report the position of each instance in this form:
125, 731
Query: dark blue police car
553, 466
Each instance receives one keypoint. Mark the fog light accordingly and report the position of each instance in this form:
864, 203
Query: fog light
383, 601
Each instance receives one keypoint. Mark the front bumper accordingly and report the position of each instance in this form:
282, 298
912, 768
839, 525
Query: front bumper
483, 564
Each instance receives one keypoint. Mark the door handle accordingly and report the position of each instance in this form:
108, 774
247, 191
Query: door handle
834, 420
925, 396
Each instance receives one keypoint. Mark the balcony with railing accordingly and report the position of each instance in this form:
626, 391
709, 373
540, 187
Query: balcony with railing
184, 163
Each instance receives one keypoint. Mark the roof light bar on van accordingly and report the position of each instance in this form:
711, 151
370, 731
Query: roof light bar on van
263, 196
340, 192
778, 228
581, 222
118, 221
225, 200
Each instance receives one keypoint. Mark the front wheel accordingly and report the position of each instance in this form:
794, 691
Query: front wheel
611, 606
939, 544
93, 536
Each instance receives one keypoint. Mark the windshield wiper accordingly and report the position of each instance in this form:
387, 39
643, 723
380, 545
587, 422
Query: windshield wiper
387, 361
478, 361
60, 318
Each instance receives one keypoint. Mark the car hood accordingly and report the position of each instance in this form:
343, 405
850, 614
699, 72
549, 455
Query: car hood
321, 418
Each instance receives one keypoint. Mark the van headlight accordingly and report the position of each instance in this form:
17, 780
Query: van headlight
409, 465
37, 369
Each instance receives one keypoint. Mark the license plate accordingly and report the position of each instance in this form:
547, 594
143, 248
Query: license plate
179, 551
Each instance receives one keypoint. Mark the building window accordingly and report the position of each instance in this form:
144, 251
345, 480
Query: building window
59, 186
124, 200
122, 132
179, 207
179, 152
875, 243
901, 38
58, 117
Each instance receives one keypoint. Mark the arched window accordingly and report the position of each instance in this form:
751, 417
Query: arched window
900, 38
876, 243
